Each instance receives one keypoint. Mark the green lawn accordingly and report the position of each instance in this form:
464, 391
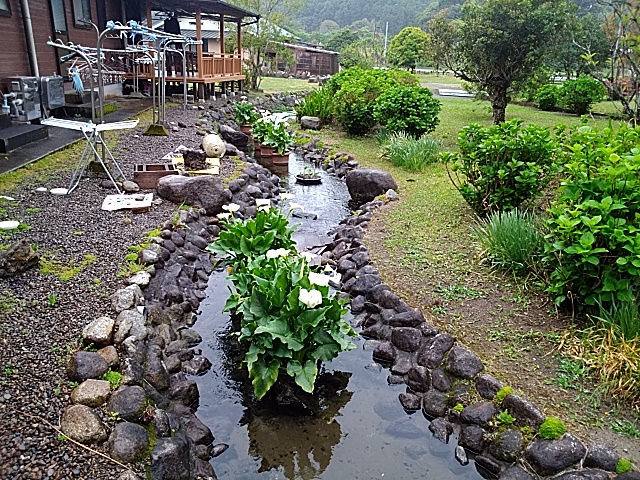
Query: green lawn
273, 85
438, 78
458, 112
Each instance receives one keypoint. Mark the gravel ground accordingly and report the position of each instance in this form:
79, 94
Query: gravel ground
42, 316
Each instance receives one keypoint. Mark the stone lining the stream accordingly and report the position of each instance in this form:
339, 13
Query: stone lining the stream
154, 349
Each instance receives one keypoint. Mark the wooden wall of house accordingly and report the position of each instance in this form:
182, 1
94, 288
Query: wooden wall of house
14, 59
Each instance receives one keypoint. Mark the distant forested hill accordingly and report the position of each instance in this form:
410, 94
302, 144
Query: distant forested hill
399, 13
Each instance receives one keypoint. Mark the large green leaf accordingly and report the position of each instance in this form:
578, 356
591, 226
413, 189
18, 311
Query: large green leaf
259, 304
305, 376
326, 352
276, 326
263, 376
310, 318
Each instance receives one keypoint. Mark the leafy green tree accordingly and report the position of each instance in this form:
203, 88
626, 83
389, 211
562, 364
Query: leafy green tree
499, 42
341, 38
408, 48
266, 35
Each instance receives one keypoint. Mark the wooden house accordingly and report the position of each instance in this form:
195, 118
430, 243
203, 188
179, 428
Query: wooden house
27, 25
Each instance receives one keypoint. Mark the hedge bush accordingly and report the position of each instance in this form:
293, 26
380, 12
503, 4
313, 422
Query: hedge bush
593, 245
502, 165
547, 97
354, 101
408, 109
580, 94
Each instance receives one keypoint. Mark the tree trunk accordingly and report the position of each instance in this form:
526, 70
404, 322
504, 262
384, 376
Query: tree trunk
498, 97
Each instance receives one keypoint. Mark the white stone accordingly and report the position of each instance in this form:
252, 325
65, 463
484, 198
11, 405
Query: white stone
99, 331
141, 279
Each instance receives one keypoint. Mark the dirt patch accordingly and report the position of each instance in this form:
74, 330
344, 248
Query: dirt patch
510, 324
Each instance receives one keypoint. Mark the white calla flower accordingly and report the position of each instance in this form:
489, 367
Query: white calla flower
293, 206
336, 277
263, 208
319, 279
278, 252
311, 298
263, 202
307, 255
224, 216
232, 207
287, 196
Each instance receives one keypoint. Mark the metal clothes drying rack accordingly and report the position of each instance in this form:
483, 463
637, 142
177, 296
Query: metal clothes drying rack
93, 134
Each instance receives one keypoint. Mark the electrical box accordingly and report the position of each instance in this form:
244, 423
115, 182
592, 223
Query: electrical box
52, 92
26, 106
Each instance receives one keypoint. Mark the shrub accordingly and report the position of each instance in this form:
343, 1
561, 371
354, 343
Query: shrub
334, 84
404, 78
580, 94
623, 466
318, 103
592, 246
502, 394
551, 428
409, 109
547, 97
408, 153
513, 240
503, 165
354, 101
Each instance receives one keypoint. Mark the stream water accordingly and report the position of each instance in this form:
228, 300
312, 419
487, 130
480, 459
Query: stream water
362, 431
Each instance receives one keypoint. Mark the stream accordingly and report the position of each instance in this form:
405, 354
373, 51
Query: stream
362, 431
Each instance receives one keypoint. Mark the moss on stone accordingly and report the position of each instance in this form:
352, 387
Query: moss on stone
623, 466
502, 394
551, 428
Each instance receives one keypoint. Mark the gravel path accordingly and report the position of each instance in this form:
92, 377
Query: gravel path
42, 316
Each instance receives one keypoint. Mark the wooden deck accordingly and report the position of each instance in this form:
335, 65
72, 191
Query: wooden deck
212, 68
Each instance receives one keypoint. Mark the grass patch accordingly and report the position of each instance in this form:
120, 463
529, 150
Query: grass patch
62, 270
273, 85
512, 240
409, 153
442, 78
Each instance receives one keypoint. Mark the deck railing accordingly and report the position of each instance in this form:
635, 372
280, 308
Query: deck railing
213, 65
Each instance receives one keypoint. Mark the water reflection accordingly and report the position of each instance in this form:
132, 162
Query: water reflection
297, 446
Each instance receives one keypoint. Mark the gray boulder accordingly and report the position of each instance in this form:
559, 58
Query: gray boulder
84, 365
366, 184
18, 258
507, 445
600, 456
463, 363
312, 123
234, 137
128, 441
80, 423
204, 191
128, 402
91, 393
549, 457
170, 459
526, 413
127, 297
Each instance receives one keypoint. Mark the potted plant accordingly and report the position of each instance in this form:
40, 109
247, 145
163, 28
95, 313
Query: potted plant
260, 131
308, 176
245, 115
280, 140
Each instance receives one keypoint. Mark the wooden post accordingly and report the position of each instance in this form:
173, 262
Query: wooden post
240, 47
199, 37
149, 22
222, 50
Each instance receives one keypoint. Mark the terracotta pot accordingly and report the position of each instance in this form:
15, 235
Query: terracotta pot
246, 129
266, 156
280, 159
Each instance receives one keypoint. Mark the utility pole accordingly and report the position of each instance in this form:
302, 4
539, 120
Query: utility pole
386, 35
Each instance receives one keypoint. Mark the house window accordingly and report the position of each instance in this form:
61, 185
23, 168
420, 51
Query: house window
82, 13
5, 8
59, 20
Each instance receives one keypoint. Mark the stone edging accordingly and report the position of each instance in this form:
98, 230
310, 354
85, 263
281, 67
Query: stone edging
155, 349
